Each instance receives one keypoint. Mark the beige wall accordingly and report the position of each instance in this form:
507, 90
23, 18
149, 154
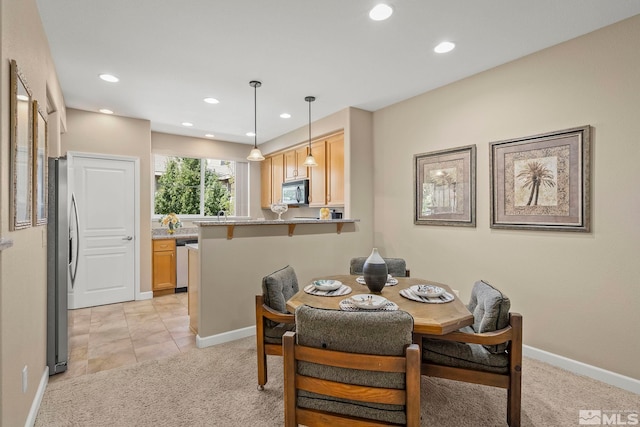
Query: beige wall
23, 281
579, 293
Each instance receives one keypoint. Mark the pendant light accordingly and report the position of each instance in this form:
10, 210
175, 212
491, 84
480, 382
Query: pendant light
310, 161
255, 155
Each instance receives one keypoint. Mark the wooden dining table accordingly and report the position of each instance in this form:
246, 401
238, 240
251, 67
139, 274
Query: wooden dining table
428, 318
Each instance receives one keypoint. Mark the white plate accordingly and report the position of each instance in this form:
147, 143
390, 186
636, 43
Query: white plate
368, 301
327, 285
390, 280
429, 291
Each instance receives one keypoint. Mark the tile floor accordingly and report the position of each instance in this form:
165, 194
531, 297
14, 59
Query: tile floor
109, 336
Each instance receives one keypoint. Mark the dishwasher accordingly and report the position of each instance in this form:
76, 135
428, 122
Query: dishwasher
182, 264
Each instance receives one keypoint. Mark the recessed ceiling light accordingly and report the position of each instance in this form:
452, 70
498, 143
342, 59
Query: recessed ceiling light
187, 124
285, 115
210, 135
105, 111
250, 134
109, 78
211, 101
381, 12
444, 47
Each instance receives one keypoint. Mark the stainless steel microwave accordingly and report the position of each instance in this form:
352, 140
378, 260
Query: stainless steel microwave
296, 192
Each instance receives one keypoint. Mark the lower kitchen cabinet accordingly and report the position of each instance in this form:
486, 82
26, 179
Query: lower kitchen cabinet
164, 266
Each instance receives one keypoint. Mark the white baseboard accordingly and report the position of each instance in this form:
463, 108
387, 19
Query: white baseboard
608, 377
202, 342
144, 295
37, 400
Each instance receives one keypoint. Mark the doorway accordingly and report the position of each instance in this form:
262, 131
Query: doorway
104, 227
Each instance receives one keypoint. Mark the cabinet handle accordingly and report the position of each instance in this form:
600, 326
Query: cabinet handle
328, 197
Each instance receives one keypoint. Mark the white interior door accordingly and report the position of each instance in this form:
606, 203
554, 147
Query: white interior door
104, 190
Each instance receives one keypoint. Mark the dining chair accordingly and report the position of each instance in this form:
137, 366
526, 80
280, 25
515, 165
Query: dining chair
397, 267
488, 352
272, 317
351, 369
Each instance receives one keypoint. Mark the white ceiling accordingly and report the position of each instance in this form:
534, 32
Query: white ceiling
171, 54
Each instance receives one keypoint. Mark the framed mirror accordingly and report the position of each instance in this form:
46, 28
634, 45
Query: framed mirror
21, 150
39, 166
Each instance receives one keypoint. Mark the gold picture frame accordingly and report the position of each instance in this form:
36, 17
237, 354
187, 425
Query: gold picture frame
542, 182
21, 122
40, 192
445, 187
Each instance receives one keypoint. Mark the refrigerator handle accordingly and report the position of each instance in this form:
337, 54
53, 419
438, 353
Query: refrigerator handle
73, 263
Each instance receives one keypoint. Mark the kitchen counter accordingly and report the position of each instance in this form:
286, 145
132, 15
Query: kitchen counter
180, 233
256, 227
274, 222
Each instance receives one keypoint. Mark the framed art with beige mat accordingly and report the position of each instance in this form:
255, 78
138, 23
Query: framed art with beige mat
21, 150
445, 187
542, 182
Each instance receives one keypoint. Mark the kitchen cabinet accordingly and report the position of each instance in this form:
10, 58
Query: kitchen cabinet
318, 175
164, 266
326, 181
266, 186
335, 170
277, 177
294, 167
271, 179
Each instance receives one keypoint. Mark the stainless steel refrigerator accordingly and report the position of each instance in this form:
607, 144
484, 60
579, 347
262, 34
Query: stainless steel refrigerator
59, 266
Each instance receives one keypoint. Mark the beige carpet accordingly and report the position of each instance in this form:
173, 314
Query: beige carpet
216, 386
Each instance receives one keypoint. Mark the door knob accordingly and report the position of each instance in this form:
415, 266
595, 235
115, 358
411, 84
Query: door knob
128, 238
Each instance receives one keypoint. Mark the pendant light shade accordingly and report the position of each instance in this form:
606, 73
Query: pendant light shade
310, 161
255, 155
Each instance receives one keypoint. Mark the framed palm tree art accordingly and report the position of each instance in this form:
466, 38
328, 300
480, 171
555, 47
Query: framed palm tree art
542, 182
445, 187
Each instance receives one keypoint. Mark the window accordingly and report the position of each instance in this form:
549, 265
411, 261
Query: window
199, 187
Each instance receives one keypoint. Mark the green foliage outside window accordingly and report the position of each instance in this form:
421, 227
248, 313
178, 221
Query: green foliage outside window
179, 189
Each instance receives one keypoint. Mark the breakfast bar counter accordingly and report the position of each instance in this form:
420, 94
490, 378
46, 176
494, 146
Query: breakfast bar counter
235, 255
290, 224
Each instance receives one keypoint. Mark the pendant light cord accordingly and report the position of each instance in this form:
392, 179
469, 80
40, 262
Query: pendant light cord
255, 116
309, 126
310, 99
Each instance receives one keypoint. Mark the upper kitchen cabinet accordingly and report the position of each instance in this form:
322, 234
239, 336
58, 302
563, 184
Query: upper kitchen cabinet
326, 181
277, 177
266, 185
271, 179
318, 175
294, 167
335, 170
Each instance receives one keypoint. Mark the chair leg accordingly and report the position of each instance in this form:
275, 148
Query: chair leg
262, 366
260, 350
514, 401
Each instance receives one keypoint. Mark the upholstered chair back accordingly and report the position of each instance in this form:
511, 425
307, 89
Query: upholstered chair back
397, 267
277, 288
490, 309
378, 333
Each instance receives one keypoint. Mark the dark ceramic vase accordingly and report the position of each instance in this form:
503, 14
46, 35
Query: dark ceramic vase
375, 272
